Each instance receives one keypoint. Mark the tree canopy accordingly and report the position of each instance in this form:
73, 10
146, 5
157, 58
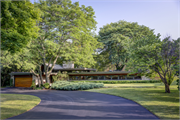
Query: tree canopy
149, 55
18, 24
65, 32
112, 36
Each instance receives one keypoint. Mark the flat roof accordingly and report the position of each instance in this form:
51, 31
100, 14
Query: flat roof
20, 73
101, 73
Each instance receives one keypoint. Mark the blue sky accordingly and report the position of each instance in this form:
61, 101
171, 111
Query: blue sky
161, 15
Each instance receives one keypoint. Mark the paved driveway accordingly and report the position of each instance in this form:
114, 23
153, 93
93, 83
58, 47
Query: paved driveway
80, 105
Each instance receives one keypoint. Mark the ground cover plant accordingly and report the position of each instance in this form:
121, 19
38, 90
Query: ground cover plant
165, 106
119, 81
65, 85
15, 104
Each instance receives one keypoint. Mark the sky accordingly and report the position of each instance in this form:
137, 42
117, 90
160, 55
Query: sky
161, 15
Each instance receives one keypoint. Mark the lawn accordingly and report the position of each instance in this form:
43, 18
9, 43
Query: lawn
15, 104
149, 95
146, 85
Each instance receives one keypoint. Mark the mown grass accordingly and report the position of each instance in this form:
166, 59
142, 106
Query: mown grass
146, 85
3, 86
164, 105
15, 104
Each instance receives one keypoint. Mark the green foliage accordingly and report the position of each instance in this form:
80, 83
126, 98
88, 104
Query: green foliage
149, 55
65, 85
33, 85
177, 83
113, 36
122, 81
60, 76
46, 85
66, 32
18, 24
19, 62
38, 88
11, 82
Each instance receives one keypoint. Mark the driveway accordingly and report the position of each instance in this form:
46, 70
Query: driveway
80, 105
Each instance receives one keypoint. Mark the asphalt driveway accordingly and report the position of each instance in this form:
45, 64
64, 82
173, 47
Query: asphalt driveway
80, 105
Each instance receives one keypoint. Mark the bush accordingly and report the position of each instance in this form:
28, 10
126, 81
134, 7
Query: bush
122, 81
46, 85
177, 83
38, 88
33, 85
60, 76
11, 82
65, 85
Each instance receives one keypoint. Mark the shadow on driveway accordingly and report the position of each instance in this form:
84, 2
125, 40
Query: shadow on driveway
80, 105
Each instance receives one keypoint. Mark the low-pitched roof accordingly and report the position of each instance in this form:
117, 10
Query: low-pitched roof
56, 67
101, 73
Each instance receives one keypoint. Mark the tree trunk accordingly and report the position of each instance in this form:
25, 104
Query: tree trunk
163, 78
4, 78
46, 71
40, 74
123, 69
119, 67
47, 77
39, 81
3, 82
167, 90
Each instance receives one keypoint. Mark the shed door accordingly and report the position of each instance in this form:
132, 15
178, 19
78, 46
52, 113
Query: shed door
23, 82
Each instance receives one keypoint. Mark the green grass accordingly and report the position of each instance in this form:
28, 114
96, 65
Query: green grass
15, 104
140, 85
164, 105
3, 86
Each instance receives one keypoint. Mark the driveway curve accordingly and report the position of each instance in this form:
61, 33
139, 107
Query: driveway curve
57, 104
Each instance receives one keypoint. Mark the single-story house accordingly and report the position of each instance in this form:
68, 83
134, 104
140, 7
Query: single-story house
24, 79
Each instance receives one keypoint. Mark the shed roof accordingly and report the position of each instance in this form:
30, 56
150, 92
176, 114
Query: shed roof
20, 73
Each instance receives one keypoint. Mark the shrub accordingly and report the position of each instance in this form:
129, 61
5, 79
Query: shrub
60, 76
121, 81
11, 82
38, 88
177, 83
46, 85
65, 85
33, 85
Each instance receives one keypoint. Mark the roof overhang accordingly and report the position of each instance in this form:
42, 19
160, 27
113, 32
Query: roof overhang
20, 73
101, 73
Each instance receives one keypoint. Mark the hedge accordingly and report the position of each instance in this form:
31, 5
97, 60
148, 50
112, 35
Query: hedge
65, 85
121, 81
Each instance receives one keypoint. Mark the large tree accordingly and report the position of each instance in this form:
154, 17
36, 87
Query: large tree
65, 32
18, 62
18, 24
150, 55
112, 35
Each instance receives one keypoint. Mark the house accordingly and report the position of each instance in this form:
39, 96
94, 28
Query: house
24, 79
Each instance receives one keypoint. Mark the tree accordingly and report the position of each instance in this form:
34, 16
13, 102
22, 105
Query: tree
18, 24
65, 32
18, 62
151, 55
112, 35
